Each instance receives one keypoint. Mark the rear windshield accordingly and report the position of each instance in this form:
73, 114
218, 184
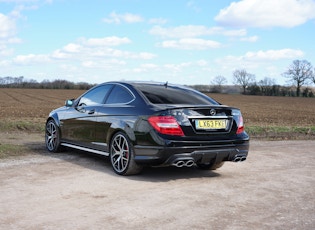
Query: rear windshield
159, 94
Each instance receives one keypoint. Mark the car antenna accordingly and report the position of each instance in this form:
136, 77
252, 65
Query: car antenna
166, 84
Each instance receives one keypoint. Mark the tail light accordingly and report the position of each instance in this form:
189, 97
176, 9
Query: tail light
240, 125
239, 121
166, 125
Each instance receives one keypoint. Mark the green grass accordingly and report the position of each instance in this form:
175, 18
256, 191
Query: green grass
17, 125
7, 150
255, 133
281, 132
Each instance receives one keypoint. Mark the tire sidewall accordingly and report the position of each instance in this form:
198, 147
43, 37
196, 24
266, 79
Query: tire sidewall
57, 145
132, 167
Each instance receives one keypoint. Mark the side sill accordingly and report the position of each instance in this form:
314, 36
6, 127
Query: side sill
86, 149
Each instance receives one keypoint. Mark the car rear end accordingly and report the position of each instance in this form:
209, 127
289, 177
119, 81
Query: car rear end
205, 133
193, 135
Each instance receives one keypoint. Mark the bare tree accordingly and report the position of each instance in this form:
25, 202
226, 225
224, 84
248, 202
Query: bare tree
217, 83
243, 78
266, 85
299, 73
313, 76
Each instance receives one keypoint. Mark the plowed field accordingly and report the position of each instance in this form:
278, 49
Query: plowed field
34, 105
272, 111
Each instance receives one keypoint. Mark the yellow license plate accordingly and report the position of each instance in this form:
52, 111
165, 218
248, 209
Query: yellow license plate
211, 124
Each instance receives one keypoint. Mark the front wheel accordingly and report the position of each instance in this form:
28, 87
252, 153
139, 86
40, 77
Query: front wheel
122, 155
52, 136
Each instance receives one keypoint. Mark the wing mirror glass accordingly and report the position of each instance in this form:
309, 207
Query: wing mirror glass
69, 103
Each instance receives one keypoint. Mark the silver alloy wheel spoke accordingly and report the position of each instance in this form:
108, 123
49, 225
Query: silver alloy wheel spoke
120, 153
51, 136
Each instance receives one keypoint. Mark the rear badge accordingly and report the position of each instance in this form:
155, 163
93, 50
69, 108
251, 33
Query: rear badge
212, 112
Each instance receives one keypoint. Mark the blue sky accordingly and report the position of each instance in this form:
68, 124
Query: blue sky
184, 42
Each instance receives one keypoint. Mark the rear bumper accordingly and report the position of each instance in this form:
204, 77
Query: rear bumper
198, 152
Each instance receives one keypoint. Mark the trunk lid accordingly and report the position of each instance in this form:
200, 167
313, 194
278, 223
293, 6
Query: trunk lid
205, 120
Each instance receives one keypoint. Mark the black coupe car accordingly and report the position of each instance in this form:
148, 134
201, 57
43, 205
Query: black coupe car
155, 124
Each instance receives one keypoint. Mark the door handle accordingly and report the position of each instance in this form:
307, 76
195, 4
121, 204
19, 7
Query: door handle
91, 111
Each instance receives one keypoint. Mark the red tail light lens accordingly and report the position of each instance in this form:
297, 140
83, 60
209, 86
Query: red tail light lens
240, 125
166, 125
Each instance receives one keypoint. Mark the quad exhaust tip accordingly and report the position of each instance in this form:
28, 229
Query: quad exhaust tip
239, 158
179, 163
183, 163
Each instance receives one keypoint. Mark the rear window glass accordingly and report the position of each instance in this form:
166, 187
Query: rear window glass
159, 94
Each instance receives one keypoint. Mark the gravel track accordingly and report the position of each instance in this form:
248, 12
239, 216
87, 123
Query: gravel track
273, 189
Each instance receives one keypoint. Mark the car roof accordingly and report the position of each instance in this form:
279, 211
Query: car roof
149, 83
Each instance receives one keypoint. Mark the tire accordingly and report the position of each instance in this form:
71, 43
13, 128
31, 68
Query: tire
210, 166
122, 155
52, 137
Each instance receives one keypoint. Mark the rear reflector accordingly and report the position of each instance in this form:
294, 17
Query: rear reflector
166, 125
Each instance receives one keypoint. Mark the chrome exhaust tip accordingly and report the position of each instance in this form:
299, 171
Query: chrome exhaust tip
184, 162
239, 158
179, 164
189, 163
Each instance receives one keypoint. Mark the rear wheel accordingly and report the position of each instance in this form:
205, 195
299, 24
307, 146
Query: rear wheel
52, 136
210, 166
122, 155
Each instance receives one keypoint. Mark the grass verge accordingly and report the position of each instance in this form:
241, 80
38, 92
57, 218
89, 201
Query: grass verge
26, 127
281, 132
18, 125
7, 150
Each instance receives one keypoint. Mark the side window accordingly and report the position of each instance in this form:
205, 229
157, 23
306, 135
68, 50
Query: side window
119, 95
95, 96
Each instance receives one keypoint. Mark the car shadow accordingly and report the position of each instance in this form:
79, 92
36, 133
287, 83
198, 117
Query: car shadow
163, 174
102, 164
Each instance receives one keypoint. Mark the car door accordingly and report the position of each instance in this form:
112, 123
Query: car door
115, 112
79, 122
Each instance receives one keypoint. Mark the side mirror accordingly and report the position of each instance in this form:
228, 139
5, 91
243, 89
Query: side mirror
69, 103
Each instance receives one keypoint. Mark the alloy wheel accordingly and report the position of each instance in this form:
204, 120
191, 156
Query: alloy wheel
52, 136
120, 153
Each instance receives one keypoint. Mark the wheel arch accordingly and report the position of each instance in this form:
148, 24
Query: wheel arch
55, 118
122, 127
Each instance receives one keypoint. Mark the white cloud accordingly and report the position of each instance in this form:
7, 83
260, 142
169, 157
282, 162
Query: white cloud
146, 68
60, 54
7, 35
120, 18
30, 59
7, 28
255, 60
106, 41
72, 48
192, 5
249, 39
177, 67
191, 31
88, 52
271, 55
267, 13
98, 48
202, 63
109, 63
190, 44
159, 21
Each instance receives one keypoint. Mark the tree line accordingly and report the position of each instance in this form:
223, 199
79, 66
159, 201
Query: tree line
301, 74
20, 82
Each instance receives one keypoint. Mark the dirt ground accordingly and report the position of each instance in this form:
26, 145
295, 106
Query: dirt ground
273, 189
